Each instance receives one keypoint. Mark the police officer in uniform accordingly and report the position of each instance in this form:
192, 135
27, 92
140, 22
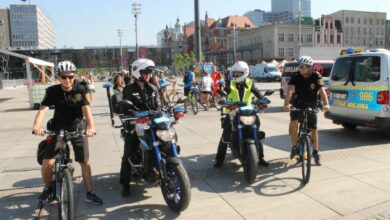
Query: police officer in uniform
306, 86
241, 89
71, 100
145, 97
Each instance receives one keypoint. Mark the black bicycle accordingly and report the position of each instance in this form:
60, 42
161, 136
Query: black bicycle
62, 187
304, 143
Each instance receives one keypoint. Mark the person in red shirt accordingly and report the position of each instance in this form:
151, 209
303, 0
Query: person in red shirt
216, 76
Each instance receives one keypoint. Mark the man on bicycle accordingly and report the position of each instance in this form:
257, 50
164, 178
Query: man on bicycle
144, 97
305, 85
71, 100
240, 89
189, 82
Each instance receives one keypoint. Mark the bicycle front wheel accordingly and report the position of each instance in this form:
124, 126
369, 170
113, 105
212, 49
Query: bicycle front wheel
66, 200
194, 103
305, 158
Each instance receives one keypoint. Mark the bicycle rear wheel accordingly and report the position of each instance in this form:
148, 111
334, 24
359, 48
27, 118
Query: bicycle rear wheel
66, 200
305, 158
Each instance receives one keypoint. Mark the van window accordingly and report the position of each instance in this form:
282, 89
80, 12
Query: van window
290, 68
323, 68
357, 69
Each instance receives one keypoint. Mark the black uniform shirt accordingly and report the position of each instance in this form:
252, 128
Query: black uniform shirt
67, 105
306, 89
144, 99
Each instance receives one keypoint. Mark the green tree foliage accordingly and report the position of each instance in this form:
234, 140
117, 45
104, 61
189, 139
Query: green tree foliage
183, 61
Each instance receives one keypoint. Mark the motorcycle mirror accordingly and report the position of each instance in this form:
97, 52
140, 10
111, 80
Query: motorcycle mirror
269, 92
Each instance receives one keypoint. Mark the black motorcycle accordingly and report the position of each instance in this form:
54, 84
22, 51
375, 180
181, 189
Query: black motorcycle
246, 138
156, 159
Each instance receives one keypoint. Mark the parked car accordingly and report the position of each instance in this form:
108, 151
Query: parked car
322, 66
267, 72
359, 90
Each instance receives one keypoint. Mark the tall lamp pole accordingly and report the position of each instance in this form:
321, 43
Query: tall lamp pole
120, 35
234, 43
136, 10
198, 49
300, 28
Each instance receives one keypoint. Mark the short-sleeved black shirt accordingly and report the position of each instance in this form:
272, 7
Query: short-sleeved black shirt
67, 105
306, 89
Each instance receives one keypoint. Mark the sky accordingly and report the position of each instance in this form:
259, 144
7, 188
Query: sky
80, 23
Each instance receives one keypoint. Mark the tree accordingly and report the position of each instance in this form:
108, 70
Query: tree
183, 61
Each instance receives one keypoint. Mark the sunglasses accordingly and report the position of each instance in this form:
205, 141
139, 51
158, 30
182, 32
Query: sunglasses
303, 66
70, 77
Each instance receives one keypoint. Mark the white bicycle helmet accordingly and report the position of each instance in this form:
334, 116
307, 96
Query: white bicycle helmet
305, 60
240, 66
65, 66
141, 65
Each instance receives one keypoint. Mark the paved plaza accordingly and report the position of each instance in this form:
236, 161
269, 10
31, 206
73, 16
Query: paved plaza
352, 183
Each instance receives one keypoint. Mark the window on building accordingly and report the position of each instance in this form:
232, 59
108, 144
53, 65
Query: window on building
377, 21
281, 37
365, 20
331, 25
309, 38
291, 52
352, 20
371, 22
331, 39
338, 39
358, 20
326, 25
318, 39
281, 52
347, 20
290, 37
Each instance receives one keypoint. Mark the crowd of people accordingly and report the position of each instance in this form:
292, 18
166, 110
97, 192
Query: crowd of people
143, 86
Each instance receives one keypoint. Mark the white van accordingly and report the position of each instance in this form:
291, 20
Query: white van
265, 71
359, 90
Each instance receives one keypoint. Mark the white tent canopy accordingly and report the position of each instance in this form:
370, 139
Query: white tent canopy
29, 60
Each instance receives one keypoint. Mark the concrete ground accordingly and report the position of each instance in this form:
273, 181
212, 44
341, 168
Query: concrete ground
352, 183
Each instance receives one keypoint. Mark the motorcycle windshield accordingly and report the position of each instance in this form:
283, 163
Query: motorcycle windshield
162, 121
246, 110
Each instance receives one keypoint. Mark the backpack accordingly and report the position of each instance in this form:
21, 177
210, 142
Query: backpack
186, 77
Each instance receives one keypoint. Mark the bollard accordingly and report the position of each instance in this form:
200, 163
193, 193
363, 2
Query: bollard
107, 86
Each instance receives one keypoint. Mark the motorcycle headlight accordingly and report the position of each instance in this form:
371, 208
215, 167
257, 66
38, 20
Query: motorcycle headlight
166, 135
248, 120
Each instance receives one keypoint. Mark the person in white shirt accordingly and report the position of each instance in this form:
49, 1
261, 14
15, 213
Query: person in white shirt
207, 82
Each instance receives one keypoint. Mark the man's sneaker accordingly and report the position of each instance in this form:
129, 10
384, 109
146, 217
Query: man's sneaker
263, 162
126, 190
294, 152
93, 198
46, 195
317, 159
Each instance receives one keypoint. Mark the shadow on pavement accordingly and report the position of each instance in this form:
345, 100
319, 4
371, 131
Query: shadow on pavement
18, 110
18, 205
273, 109
152, 212
335, 139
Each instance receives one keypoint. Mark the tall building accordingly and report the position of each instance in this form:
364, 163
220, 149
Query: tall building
292, 6
362, 28
4, 29
30, 28
256, 16
387, 46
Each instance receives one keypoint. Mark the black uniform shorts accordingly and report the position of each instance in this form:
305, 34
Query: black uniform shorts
79, 144
312, 118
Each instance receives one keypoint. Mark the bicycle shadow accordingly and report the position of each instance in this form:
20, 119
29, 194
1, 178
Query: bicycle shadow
18, 205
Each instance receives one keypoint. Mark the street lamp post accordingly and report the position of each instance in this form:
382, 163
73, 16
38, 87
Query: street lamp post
136, 10
300, 28
120, 35
234, 44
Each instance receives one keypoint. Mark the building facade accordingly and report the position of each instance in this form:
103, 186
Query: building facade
4, 29
292, 6
362, 28
275, 41
328, 32
30, 28
387, 45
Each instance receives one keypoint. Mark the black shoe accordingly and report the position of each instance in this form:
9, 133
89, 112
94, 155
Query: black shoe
185, 111
263, 162
93, 198
317, 159
218, 164
46, 195
294, 152
126, 190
